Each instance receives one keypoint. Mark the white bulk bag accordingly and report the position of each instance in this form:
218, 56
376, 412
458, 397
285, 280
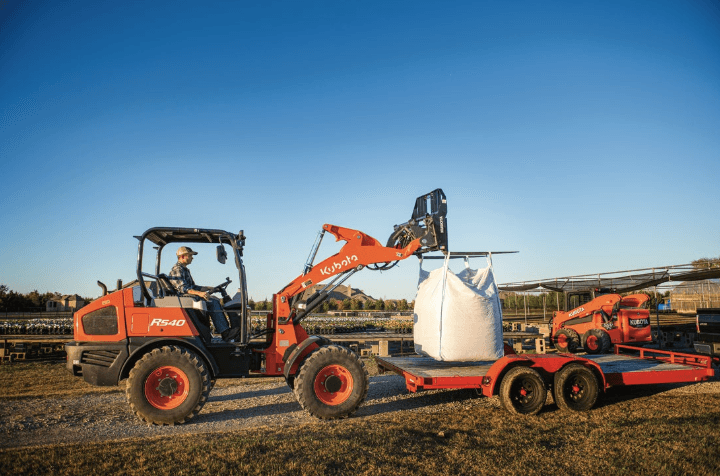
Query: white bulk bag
458, 317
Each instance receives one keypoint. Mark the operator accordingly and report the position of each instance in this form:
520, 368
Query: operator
181, 278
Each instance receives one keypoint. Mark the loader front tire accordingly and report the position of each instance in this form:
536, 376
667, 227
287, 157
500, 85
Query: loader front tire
331, 382
168, 385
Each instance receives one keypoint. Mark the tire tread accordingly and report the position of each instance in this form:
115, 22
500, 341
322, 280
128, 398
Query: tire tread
302, 388
137, 374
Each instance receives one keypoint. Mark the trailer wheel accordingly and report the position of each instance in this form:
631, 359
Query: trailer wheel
168, 385
331, 382
566, 340
575, 388
523, 391
597, 341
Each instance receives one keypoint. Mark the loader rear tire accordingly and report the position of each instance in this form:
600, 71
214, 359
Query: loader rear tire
331, 382
522, 391
597, 341
566, 340
575, 388
168, 385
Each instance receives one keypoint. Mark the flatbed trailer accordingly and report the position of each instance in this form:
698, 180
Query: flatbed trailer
522, 381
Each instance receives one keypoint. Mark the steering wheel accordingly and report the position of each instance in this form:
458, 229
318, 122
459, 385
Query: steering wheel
221, 288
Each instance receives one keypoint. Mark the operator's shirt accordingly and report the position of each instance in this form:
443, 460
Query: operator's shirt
181, 278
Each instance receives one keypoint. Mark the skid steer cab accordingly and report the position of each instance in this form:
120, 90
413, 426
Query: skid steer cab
596, 325
163, 345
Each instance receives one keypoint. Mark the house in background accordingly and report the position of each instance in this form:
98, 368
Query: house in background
69, 302
340, 293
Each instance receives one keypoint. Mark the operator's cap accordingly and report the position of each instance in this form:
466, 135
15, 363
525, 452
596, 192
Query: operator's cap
184, 250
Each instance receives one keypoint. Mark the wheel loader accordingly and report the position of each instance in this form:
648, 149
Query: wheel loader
162, 343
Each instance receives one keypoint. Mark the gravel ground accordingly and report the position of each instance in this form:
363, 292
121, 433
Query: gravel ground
233, 405
247, 404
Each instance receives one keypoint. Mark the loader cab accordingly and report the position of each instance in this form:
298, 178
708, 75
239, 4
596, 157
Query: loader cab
575, 299
154, 289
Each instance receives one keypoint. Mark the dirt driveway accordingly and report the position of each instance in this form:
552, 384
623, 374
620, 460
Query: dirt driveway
235, 405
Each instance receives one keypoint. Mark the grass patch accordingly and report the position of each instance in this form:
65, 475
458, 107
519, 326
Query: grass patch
44, 379
632, 431
676, 436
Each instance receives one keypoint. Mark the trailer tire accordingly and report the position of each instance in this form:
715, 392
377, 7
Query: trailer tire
575, 388
597, 341
522, 391
566, 340
331, 382
168, 385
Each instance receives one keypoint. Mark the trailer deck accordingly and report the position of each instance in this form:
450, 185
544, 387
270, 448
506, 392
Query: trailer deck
627, 366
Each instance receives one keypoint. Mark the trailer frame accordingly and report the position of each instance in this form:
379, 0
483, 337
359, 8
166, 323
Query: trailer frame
643, 367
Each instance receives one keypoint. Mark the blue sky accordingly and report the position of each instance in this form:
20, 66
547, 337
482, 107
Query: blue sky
585, 135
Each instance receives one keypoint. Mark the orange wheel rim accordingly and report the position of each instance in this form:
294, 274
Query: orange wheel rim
561, 339
333, 385
166, 387
592, 342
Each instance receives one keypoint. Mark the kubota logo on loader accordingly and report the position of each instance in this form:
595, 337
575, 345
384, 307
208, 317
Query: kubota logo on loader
336, 266
576, 311
168, 322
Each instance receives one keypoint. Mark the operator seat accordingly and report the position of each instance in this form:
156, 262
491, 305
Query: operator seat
167, 288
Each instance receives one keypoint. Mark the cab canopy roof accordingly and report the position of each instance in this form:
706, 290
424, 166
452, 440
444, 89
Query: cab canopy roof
161, 236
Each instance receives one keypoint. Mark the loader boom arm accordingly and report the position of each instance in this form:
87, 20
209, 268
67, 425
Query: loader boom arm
426, 231
359, 250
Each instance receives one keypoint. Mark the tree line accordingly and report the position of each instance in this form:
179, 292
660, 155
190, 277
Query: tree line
555, 301
706, 263
13, 301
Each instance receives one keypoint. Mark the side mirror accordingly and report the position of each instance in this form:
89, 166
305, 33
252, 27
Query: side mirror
221, 254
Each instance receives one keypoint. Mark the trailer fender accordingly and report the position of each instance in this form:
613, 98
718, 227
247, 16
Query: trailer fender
139, 347
295, 351
547, 365
491, 380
